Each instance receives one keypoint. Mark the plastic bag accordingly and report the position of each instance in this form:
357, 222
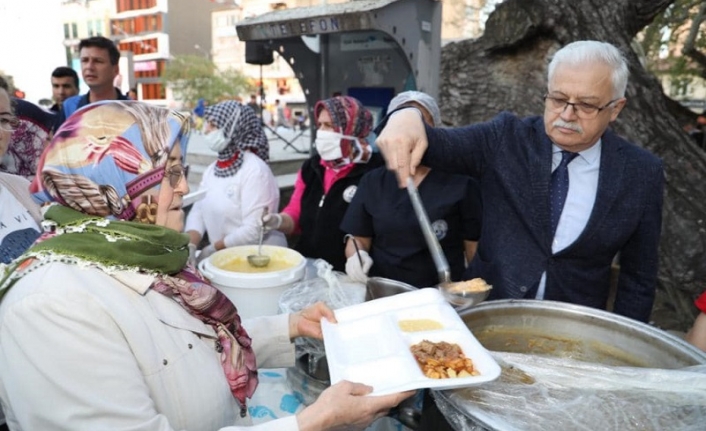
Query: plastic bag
334, 289
541, 393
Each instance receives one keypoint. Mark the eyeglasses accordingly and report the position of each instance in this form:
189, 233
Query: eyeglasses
583, 110
9, 124
175, 174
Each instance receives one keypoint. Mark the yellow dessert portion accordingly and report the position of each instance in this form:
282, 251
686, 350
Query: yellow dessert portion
416, 325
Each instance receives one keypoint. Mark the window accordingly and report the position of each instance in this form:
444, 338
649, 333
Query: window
89, 25
127, 5
147, 46
153, 91
98, 27
67, 33
74, 30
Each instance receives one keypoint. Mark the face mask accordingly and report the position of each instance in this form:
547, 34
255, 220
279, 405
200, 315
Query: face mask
216, 140
328, 144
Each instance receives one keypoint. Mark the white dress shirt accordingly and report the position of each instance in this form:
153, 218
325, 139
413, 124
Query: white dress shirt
583, 185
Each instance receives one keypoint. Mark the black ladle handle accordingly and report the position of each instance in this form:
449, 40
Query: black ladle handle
355, 244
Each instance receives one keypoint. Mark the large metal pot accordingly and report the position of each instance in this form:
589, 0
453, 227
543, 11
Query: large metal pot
582, 333
568, 331
379, 287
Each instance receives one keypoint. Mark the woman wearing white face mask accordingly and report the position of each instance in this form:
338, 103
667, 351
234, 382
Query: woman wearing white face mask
327, 182
240, 185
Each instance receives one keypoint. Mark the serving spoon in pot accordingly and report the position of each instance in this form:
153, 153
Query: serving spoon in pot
453, 292
260, 260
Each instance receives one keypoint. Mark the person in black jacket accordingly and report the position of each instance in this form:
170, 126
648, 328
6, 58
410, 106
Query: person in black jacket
327, 182
562, 193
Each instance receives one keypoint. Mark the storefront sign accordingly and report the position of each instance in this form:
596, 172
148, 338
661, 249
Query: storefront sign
145, 66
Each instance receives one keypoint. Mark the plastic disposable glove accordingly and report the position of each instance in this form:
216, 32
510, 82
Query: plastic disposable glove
355, 270
192, 254
271, 221
206, 252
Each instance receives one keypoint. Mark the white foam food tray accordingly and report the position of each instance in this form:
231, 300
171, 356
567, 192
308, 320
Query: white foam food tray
193, 197
368, 346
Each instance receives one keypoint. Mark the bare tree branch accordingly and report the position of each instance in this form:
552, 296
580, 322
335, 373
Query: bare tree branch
643, 12
689, 48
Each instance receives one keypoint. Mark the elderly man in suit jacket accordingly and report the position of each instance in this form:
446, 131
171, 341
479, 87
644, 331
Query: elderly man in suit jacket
562, 195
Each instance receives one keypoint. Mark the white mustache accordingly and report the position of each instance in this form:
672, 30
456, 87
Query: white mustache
571, 126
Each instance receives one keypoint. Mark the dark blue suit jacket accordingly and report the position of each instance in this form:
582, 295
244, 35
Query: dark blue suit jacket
512, 159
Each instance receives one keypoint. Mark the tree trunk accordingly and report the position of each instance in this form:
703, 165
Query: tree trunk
505, 69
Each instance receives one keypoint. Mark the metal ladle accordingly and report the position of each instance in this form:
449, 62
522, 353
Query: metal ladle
260, 260
460, 300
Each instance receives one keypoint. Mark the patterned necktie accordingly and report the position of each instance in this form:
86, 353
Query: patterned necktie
559, 187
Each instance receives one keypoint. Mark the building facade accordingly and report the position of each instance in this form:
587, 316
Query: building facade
461, 19
148, 34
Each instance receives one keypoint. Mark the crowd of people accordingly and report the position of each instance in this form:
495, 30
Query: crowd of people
134, 336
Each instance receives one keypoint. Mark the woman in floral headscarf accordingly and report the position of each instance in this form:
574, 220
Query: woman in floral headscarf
28, 139
239, 185
104, 325
19, 215
327, 182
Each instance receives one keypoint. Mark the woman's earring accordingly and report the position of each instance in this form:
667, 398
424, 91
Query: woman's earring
147, 211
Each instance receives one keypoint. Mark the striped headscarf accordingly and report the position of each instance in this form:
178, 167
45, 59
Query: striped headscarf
107, 154
349, 117
244, 131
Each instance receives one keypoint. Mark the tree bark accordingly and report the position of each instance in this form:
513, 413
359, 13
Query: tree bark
505, 69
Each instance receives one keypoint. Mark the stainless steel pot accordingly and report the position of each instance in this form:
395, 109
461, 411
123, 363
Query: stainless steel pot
582, 333
379, 287
563, 330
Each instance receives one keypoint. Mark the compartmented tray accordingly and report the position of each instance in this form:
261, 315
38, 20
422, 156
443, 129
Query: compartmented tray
368, 346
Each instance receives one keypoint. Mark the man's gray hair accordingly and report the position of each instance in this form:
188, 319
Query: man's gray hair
584, 51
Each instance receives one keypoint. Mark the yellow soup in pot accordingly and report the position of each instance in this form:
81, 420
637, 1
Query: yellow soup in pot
240, 264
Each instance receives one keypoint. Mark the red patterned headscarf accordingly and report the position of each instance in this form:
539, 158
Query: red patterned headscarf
348, 115
350, 118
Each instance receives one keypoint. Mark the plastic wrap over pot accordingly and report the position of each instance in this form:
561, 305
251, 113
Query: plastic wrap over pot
541, 393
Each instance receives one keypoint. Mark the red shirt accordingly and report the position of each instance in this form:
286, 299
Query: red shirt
701, 302
294, 209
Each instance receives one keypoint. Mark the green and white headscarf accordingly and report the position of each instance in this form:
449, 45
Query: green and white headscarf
102, 158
